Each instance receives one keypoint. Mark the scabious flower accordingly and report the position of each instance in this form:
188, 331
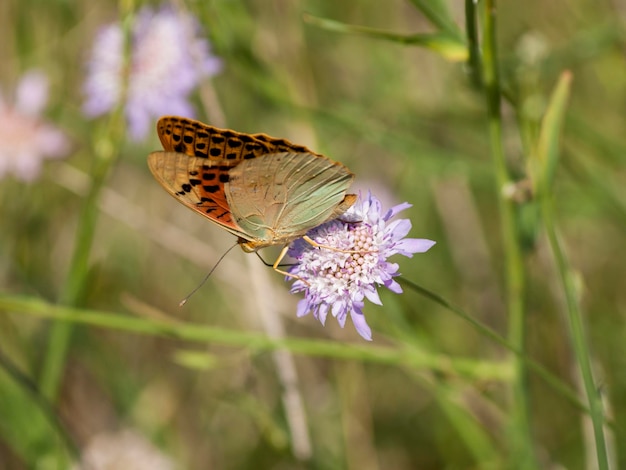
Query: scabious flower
338, 280
168, 59
25, 138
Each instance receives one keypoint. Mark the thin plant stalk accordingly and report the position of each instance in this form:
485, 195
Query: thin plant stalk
473, 44
578, 333
519, 426
545, 168
105, 150
60, 335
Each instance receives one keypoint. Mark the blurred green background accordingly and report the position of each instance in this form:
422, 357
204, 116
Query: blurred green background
431, 391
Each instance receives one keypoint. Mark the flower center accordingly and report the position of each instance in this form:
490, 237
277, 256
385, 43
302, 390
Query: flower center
352, 268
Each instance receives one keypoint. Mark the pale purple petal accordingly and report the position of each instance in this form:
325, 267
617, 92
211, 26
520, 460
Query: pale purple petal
32, 94
399, 228
414, 245
358, 319
337, 308
391, 268
303, 308
341, 319
393, 286
103, 85
52, 142
372, 296
395, 209
322, 312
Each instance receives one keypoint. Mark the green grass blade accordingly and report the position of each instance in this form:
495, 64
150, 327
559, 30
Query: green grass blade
543, 165
443, 43
439, 15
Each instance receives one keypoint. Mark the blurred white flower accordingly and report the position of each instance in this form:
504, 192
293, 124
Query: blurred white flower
168, 59
25, 138
124, 450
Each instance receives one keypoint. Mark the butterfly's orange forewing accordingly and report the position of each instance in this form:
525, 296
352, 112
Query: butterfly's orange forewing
223, 150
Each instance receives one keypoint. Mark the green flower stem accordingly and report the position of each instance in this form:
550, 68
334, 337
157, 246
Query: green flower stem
557, 384
443, 43
545, 168
58, 344
519, 432
578, 334
105, 153
473, 44
411, 358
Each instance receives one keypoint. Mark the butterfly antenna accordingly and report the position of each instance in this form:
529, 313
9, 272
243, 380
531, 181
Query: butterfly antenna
262, 260
270, 265
184, 301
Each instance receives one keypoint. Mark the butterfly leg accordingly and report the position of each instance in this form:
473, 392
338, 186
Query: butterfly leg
282, 254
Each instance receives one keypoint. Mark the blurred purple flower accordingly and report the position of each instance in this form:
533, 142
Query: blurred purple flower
338, 282
168, 59
25, 139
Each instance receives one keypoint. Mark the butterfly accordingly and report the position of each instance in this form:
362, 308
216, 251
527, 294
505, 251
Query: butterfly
265, 191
